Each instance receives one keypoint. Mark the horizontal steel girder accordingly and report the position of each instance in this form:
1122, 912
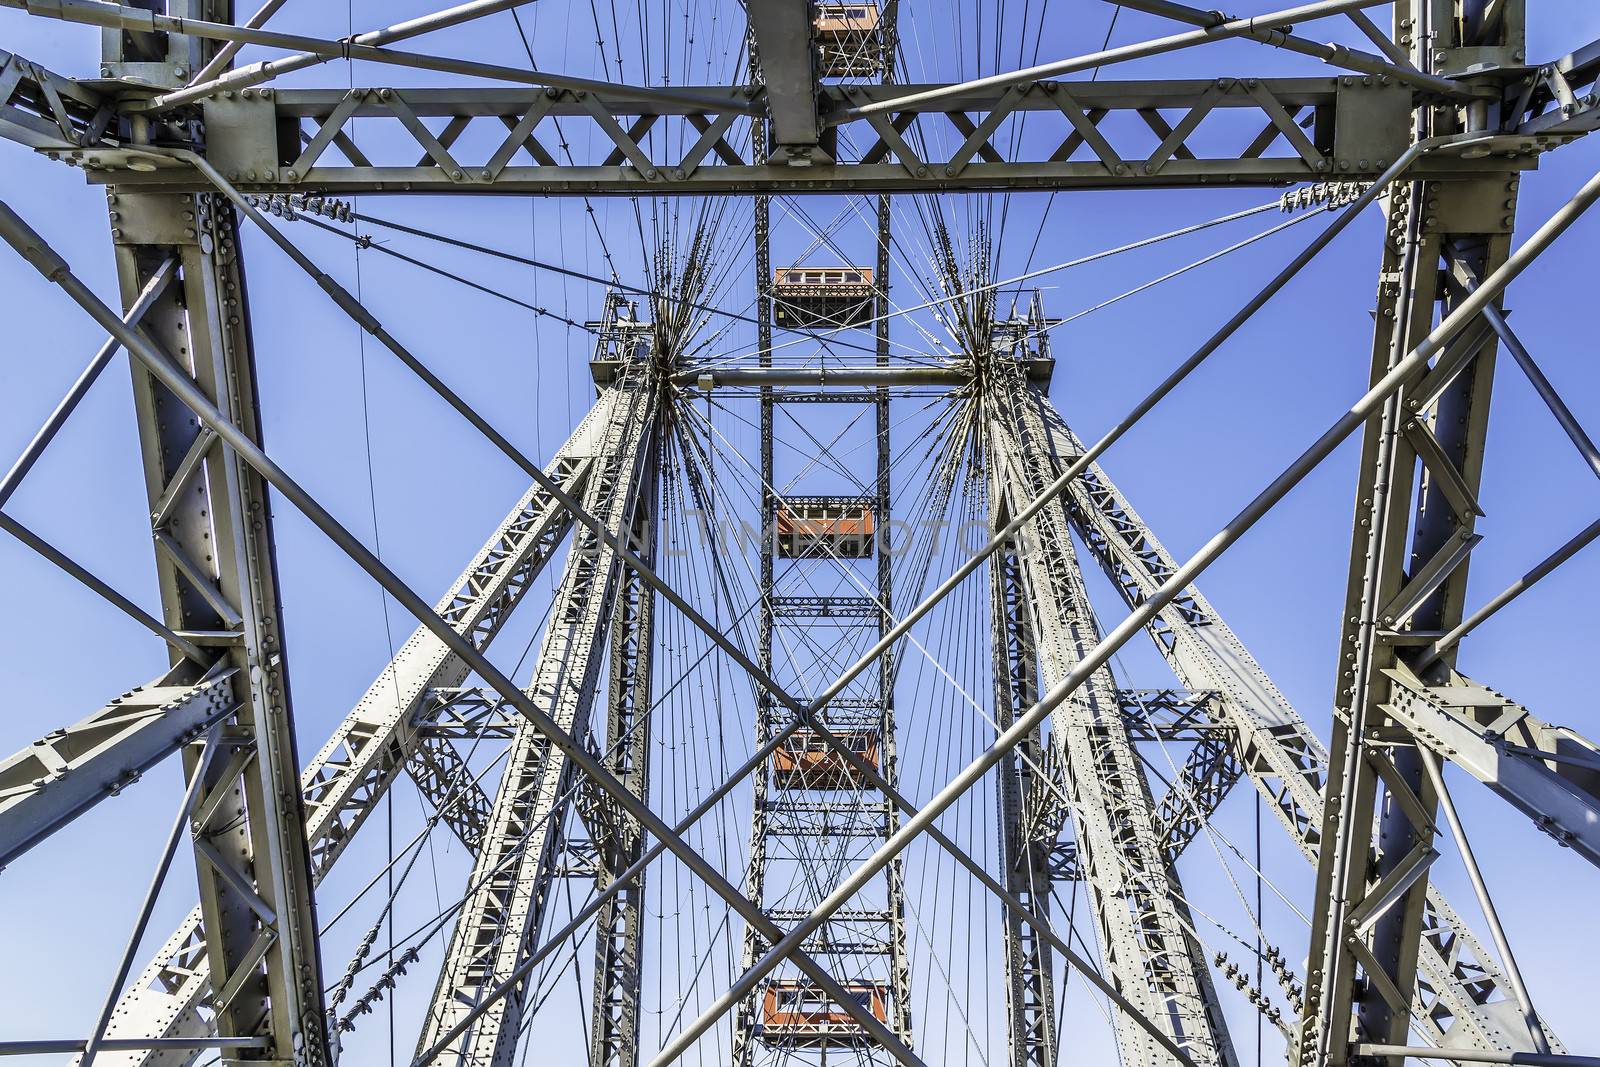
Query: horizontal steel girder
64, 774
1550, 773
1232, 132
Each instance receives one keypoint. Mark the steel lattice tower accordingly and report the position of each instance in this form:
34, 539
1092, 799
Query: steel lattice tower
821, 953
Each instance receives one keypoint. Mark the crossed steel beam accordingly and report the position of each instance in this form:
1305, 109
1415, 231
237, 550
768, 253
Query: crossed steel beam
804, 714
38, 254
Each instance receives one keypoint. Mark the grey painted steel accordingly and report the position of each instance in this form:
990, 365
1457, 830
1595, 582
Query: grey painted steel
619, 925
159, 279
780, 35
64, 774
1363, 408
352, 772
216, 573
1143, 925
43, 110
1358, 126
1139, 410
1491, 914
1217, 31
744, 1024
1270, 742
1024, 848
1524, 1059
1541, 385
1415, 517
953, 376
94, 583
1560, 98
39, 254
186, 813
871, 943
790, 829
204, 85
447, 786
1572, 547
195, 30
1397, 66
1550, 773
513, 869
223, 59
192, 1045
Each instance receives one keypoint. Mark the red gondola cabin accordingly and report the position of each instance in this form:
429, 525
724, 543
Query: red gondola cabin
825, 527
798, 1014
805, 761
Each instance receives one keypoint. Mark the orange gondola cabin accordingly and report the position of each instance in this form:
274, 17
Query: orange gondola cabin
824, 528
850, 40
804, 760
799, 1014
822, 298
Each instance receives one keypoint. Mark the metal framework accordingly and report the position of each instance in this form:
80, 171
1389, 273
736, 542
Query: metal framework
1443, 122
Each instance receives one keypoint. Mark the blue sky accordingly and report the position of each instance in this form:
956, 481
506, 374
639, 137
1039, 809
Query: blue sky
436, 491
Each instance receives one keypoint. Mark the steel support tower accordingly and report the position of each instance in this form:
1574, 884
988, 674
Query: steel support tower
1448, 115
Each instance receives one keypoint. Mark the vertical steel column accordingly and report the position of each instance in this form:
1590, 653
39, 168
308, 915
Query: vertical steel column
619, 946
756, 873
1416, 509
787, 811
899, 955
216, 568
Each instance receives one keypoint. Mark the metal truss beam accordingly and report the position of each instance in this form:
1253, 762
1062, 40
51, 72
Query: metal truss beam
46, 111
353, 771
1025, 852
215, 570
446, 783
1282, 757
1550, 773
1144, 926
38, 253
1561, 97
1236, 132
1171, 714
515, 863
67, 772
619, 925
216, 573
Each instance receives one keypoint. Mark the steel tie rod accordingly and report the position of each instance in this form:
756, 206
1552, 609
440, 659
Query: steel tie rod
1312, 457
1337, 55
104, 590
1139, 411
114, 16
1222, 31
49, 263
806, 715
185, 812
91, 372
